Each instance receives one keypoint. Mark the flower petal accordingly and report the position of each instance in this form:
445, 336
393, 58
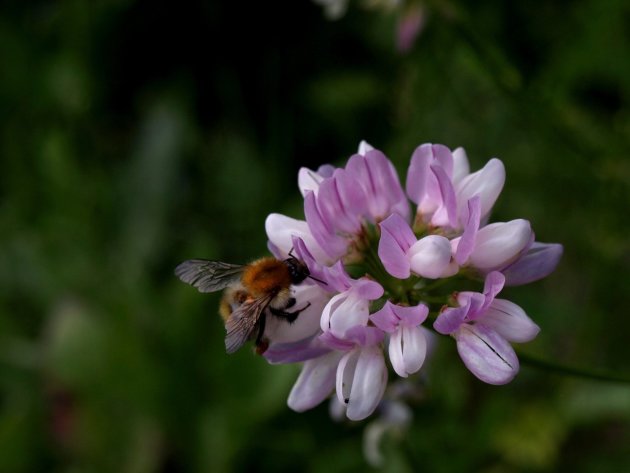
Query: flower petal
281, 230
498, 244
538, 262
422, 185
414, 348
467, 242
461, 168
395, 350
385, 319
451, 319
447, 213
295, 352
368, 383
410, 316
333, 209
486, 354
345, 375
487, 183
315, 382
430, 256
510, 321
364, 147
396, 238
311, 300
309, 180
333, 245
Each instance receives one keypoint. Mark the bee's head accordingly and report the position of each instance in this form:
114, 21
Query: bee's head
297, 269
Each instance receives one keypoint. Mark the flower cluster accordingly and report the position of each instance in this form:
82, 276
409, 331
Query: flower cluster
384, 267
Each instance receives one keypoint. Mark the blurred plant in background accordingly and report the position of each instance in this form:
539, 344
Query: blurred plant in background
137, 134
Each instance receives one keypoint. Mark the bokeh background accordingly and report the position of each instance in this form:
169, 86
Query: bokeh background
137, 134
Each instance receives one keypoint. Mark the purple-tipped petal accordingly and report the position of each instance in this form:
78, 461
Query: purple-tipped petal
329, 340
430, 256
418, 172
368, 289
467, 241
396, 239
315, 383
295, 352
422, 184
449, 202
368, 383
385, 319
410, 316
498, 244
365, 336
380, 181
510, 321
451, 319
538, 262
332, 208
321, 230
492, 286
487, 183
486, 354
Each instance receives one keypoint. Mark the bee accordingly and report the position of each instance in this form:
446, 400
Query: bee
251, 292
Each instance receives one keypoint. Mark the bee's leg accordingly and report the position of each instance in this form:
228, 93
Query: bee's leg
288, 316
261, 343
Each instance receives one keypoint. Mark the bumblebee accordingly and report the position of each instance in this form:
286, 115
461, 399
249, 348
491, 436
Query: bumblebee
251, 292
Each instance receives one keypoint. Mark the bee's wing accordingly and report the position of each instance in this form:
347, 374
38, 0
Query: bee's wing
208, 276
243, 321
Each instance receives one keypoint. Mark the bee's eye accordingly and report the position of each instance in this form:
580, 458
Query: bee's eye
298, 270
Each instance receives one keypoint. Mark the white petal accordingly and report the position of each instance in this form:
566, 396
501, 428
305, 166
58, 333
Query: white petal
345, 375
510, 321
308, 321
396, 353
281, 229
430, 256
309, 180
487, 183
345, 311
461, 168
364, 147
414, 348
315, 383
498, 244
368, 384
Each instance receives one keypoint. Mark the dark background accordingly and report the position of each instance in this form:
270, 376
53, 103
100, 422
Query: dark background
134, 135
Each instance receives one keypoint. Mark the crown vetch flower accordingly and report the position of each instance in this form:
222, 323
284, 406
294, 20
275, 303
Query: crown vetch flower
407, 342
483, 327
378, 272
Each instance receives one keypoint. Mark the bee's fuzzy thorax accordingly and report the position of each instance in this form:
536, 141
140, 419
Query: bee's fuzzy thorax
266, 276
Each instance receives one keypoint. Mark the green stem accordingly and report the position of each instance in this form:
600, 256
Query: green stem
572, 371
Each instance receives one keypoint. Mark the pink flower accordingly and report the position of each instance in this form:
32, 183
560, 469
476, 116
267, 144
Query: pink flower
483, 327
407, 341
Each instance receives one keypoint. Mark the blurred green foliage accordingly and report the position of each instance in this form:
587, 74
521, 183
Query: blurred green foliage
137, 134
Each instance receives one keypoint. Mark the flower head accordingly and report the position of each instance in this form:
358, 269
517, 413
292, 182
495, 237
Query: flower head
378, 272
